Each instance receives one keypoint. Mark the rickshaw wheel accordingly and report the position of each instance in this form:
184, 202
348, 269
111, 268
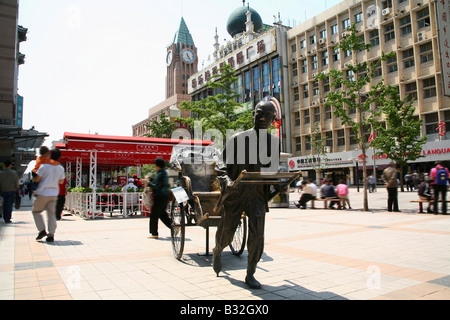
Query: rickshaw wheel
177, 230
240, 237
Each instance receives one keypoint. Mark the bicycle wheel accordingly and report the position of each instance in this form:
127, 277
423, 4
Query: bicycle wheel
177, 230
240, 237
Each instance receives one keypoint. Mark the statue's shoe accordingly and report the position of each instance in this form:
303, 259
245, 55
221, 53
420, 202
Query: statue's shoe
217, 262
252, 282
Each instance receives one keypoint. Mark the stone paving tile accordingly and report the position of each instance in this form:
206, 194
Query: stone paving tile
309, 255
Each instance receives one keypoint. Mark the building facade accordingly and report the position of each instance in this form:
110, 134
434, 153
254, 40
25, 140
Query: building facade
407, 27
16, 144
257, 52
182, 62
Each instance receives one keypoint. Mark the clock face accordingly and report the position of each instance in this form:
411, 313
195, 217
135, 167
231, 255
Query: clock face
188, 55
169, 58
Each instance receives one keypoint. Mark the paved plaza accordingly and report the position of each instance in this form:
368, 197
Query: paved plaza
311, 254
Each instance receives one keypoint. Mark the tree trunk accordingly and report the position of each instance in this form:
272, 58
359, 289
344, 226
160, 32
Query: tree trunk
366, 202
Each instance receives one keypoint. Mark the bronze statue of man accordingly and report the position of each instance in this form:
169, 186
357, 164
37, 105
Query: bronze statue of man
254, 150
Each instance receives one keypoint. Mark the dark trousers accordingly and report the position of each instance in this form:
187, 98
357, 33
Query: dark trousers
8, 203
305, 198
231, 216
60, 206
443, 191
392, 199
159, 211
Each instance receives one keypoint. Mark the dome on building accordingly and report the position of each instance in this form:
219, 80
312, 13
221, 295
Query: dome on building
237, 19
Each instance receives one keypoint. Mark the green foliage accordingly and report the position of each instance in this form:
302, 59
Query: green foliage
218, 111
400, 139
161, 128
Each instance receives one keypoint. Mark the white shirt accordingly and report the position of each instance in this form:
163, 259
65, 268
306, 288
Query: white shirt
49, 184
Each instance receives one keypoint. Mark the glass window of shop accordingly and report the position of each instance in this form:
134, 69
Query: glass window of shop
247, 86
265, 79
276, 77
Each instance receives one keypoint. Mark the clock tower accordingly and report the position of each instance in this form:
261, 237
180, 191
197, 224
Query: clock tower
181, 62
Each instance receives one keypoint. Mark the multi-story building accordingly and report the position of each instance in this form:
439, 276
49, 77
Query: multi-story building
15, 143
182, 61
407, 27
257, 52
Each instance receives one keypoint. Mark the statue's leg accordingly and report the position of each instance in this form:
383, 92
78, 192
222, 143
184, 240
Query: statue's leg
255, 245
224, 234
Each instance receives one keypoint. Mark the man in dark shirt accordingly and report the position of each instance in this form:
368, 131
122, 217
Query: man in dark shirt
160, 188
254, 150
328, 192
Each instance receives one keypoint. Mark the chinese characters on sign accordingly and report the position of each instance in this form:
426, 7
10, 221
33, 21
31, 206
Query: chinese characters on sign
237, 59
443, 17
441, 128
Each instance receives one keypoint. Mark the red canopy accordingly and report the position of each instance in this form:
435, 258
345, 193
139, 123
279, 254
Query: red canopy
119, 151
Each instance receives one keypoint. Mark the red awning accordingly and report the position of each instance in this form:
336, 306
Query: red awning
119, 151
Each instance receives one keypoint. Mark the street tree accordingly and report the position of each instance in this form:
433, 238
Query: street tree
355, 94
400, 137
162, 128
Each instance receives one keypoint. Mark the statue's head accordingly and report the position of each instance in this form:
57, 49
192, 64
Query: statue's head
265, 115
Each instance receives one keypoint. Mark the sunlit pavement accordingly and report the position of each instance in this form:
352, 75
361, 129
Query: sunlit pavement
309, 254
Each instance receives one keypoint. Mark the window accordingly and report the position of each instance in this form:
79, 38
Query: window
312, 39
308, 143
305, 91
410, 91
303, 66
336, 55
297, 118
391, 64
329, 139
314, 63
426, 52
276, 77
302, 44
265, 79
408, 58
323, 34
389, 33
347, 53
293, 48
349, 75
324, 58
327, 113
334, 29
316, 88
405, 25
298, 143
294, 70
431, 122
326, 85
429, 87
447, 122
377, 72
358, 17
374, 38
345, 24
317, 114
306, 117
340, 137
247, 85
296, 94
256, 84
353, 137
423, 18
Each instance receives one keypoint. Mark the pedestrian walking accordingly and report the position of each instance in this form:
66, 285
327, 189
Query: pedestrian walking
61, 199
440, 177
160, 187
391, 181
48, 177
9, 189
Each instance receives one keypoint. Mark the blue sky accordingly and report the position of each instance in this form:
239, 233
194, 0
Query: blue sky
98, 66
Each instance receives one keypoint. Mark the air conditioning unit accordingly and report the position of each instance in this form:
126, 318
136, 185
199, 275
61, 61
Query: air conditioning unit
293, 59
421, 36
294, 84
322, 40
314, 103
386, 11
313, 75
327, 149
344, 34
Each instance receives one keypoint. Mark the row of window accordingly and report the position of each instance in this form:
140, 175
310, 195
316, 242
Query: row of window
431, 121
422, 20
